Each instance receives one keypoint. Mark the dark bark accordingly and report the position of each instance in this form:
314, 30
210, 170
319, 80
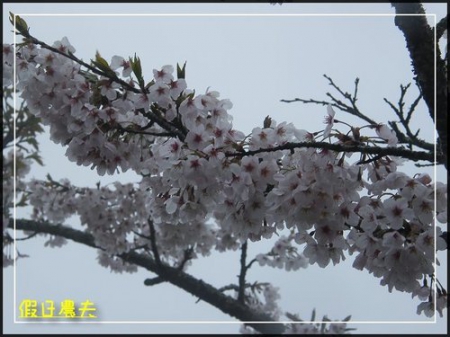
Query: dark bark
188, 283
421, 45
372, 150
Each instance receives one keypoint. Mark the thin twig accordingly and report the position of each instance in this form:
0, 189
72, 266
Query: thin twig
250, 263
409, 138
229, 287
353, 110
336, 103
186, 257
355, 93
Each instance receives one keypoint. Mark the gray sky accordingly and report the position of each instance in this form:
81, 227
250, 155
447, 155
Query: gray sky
254, 61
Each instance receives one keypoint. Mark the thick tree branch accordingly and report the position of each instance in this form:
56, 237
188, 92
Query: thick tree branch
188, 283
426, 59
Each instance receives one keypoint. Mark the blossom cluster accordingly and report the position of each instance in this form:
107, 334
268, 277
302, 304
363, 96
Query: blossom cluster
118, 219
196, 167
263, 297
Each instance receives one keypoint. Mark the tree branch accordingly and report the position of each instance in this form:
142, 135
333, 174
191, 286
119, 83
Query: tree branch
243, 272
426, 64
409, 138
179, 131
383, 151
351, 109
188, 283
153, 246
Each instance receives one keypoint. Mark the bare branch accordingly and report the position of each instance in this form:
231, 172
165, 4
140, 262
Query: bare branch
249, 265
409, 138
306, 101
355, 93
351, 109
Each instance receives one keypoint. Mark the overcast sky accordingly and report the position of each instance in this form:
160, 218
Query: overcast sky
254, 61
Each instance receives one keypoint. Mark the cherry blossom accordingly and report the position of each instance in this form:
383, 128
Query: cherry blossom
119, 62
397, 211
387, 134
195, 167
